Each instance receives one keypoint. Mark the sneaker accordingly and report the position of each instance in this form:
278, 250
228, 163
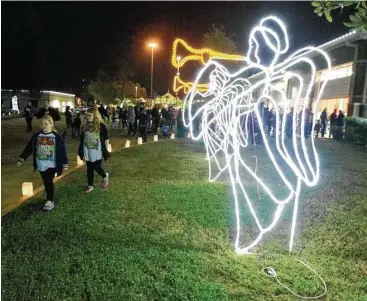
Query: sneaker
105, 181
88, 189
48, 206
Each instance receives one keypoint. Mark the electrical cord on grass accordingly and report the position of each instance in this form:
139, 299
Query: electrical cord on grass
270, 272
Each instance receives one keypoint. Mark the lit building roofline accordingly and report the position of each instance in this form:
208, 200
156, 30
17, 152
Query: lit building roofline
58, 93
333, 42
339, 39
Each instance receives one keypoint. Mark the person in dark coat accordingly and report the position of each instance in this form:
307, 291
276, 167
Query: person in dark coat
120, 126
251, 125
308, 123
114, 123
156, 117
269, 121
124, 118
108, 114
76, 126
265, 116
317, 128
333, 124
164, 114
102, 111
149, 115
274, 124
289, 124
323, 118
340, 125
131, 121
180, 125
143, 124
137, 115
47, 110
169, 119
69, 121
28, 114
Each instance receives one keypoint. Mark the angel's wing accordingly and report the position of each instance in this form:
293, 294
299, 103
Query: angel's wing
216, 110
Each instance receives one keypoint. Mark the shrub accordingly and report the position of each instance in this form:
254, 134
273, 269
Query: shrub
356, 130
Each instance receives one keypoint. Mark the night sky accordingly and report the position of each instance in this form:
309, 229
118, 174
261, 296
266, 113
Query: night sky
55, 45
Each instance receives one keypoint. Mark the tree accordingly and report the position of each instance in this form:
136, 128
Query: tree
142, 92
217, 39
124, 70
115, 86
358, 20
119, 89
102, 88
124, 86
129, 89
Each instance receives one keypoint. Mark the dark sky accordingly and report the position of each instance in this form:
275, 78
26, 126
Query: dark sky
53, 45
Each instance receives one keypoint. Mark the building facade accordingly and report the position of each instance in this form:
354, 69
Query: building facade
58, 100
347, 85
16, 100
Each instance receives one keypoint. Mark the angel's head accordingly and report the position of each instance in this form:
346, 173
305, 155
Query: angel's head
267, 36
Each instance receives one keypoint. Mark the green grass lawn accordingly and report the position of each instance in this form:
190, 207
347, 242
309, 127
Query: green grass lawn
163, 232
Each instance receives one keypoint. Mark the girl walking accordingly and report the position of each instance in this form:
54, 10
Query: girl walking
49, 157
93, 147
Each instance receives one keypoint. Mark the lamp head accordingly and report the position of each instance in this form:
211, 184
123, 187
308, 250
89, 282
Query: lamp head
152, 45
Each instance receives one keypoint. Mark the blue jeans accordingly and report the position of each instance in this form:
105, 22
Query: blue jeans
323, 129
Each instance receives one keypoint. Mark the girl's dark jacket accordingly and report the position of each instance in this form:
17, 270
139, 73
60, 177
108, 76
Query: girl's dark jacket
60, 152
103, 134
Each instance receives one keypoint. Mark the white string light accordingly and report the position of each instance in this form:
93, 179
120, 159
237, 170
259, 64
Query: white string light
231, 99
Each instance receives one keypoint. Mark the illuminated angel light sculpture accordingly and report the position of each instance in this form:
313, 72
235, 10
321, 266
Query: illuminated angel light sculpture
234, 99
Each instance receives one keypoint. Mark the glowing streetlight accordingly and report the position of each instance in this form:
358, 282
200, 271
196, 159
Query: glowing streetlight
178, 64
136, 92
152, 45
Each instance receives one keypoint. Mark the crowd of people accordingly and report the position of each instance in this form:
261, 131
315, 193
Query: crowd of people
141, 121
137, 120
334, 122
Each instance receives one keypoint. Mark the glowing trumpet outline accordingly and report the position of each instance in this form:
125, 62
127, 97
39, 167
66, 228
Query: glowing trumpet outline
179, 84
198, 55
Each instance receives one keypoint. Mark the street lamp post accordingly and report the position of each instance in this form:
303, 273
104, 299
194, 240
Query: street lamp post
136, 92
152, 45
